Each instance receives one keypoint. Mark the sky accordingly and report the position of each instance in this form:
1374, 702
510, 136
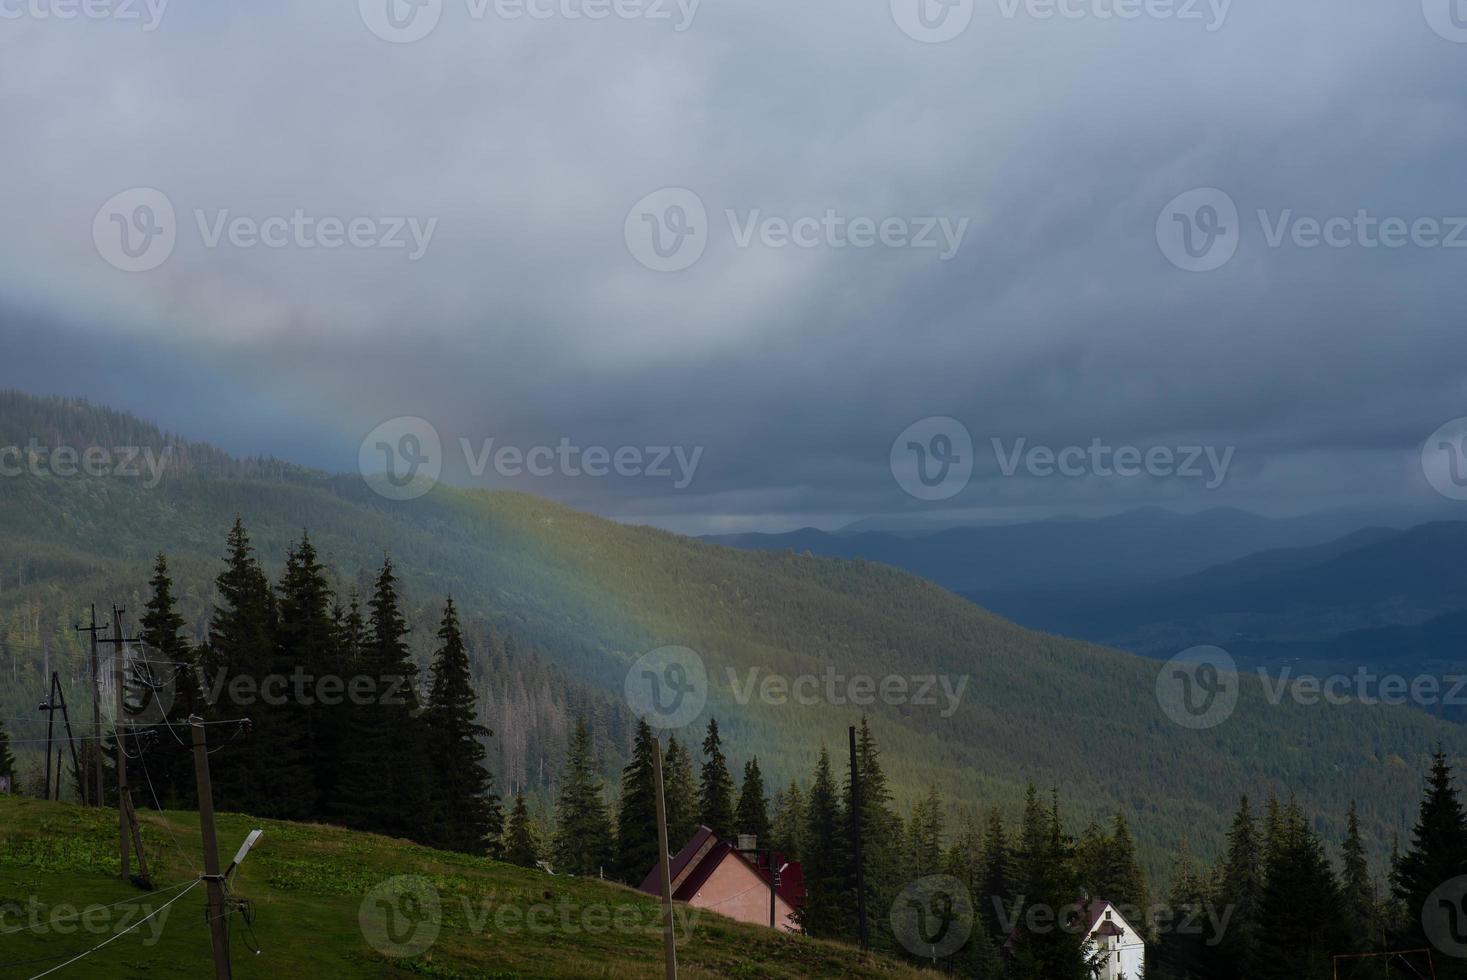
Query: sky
763, 264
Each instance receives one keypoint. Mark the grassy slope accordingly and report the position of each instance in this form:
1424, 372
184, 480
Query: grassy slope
593, 594
308, 883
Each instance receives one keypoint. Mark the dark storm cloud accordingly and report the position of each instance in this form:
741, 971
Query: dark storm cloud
527, 318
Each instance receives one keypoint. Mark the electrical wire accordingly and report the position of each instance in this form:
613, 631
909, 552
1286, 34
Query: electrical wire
112, 939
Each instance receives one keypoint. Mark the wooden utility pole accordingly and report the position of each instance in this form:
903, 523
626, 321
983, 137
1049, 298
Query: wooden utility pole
669, 938
95, 755
856, 845
213, 880
119, 740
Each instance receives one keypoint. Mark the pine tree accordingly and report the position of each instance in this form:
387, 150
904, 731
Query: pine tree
582, 842
521, 846
824, 913
996, 896
1302, 923
465, 814
1121, 881
1046, 870
1240, 890
715, 786
787, 829
924, 836
752, 814
7, 761
881, 838
383, 784
636, 815
681, 790
240, 652
1438, 853
302, 738
1358, 888
1182, 951
172, 663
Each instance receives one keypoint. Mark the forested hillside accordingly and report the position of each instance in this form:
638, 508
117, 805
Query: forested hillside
558, 604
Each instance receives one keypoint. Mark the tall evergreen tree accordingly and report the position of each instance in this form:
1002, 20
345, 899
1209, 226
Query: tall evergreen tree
752, 813
1121, 881
383, 784
303, 738
7, 761
1357, 887
636, 815
824, 913
1045, 862
1303, 928
521, 845
881, 837
787, 829
465, 814
1438, 853
715, 786
583, 837
681, 790
995, 896
240, 651
924, 836
1240, 891
172, 664
1183, 951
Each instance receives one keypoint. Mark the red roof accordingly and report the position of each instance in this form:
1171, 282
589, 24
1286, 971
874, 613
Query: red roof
701, 856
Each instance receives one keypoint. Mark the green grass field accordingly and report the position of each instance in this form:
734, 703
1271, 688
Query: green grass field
309, 885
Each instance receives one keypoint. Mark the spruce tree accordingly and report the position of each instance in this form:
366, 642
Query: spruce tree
521, 846
465, 814
681, 790
881, 837
715, 786
1357, 887
1240, 890
1046, 871
1303, 928
240, 651
752, 813
171, 663
787, 829
583, 838
302, 738
1438, 853
824, 914
636, 815
995, 896
383, 784
1121, 881
924, 836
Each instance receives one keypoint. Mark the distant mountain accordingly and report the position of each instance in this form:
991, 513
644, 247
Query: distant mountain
1359, 596
1149, 544
589, 596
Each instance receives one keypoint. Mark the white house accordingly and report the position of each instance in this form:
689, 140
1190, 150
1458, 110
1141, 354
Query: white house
1120, 943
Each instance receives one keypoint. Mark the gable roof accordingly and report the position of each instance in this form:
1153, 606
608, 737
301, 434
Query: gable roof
702, 855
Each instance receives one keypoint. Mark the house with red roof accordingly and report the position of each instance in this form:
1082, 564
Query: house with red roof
1116, 940
739, 880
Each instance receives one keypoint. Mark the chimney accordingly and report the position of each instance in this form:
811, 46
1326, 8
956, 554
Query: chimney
748, 842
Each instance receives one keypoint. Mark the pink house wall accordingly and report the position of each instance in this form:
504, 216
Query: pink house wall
735, 890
